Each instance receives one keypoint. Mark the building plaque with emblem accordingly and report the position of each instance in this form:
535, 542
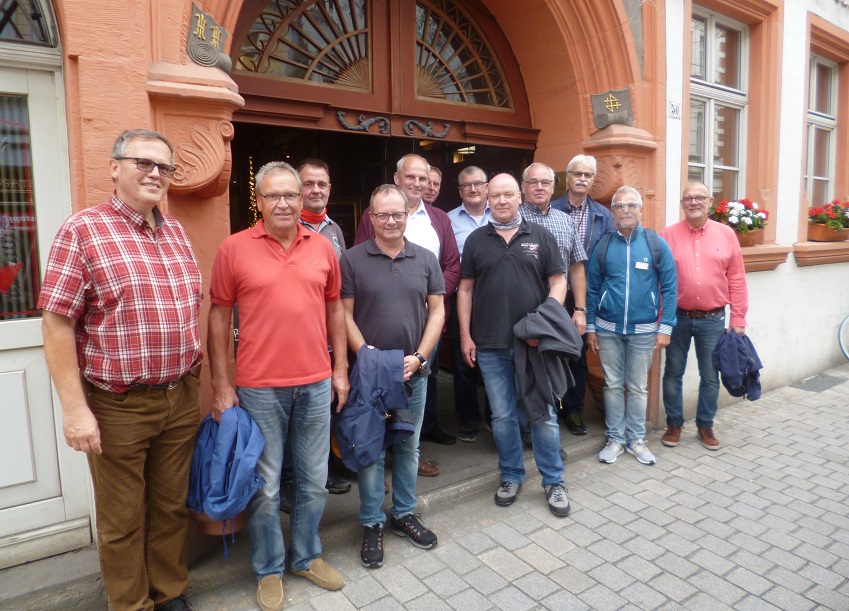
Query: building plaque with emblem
612, 107
205, 44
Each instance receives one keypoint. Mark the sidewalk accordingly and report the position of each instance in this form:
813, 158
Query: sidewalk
762, 523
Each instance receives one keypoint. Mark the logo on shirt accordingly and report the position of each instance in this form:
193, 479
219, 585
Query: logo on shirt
531, 249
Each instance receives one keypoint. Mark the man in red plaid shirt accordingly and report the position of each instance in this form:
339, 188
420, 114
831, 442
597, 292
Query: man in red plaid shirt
120, 302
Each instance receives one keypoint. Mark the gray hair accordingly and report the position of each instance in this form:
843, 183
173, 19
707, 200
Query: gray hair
275, 167
588, 159
631, 191
387, 190
119, 149
470, 170
538, 164
400, 164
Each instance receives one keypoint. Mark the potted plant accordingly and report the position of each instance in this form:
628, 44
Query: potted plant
744, 216
829, 223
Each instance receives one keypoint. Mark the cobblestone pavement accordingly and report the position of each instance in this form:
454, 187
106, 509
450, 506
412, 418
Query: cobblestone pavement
763, 523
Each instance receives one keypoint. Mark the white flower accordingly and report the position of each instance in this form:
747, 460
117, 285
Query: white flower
762, 215
748, 220
736, 206
754, 206
733, 220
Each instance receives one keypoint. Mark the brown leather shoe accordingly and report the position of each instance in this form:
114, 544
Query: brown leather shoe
672, 436
427, 469
708, 440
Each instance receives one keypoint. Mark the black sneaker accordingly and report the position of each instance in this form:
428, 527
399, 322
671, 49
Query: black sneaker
287, 495
410, 526
468, 432
575, 424
371, 553
181, 603
439, 436
336, 484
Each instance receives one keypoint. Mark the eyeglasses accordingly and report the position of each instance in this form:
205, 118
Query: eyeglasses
695, 198
478, 185
534, 183
582, 174
382, 217
625, 205
276, 198
147, 165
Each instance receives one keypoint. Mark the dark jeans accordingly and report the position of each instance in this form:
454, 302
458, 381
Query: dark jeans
573, 402
429, 422
465, 377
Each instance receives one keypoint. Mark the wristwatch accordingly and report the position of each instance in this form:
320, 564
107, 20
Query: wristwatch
577, 309
422, 360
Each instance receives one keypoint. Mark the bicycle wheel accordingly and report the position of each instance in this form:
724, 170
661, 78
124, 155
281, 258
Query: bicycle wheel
843, 337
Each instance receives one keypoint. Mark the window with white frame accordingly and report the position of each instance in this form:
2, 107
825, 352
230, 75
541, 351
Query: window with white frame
822, 131
718, 98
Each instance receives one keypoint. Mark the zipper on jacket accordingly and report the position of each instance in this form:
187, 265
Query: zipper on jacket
627, 281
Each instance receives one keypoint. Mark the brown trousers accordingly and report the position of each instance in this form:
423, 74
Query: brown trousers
140, 485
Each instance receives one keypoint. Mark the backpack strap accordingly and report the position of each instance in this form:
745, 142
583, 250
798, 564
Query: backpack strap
601, 250
651, 238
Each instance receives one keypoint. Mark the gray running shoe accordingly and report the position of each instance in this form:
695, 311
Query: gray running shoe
506, 493
557, 501
638, 448
610, 452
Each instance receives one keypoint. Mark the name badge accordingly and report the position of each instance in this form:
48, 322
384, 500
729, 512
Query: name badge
641, 265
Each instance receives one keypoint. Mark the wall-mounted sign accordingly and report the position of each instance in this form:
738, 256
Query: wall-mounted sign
612, 107
205, 44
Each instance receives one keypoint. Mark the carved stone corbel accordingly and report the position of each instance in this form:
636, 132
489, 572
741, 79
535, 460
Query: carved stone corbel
613, 172
203, 164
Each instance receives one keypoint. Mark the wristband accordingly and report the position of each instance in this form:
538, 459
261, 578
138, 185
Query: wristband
577, 309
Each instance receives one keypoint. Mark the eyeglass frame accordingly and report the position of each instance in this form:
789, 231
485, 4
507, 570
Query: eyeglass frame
545, 183
582, 174
166, 170
695, 198
626, 205
396, 216
275, 198
477, 184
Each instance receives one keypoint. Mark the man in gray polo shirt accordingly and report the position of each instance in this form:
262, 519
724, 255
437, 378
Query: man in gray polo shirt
392, 292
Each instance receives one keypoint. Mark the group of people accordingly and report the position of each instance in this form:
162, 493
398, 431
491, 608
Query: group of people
121, 303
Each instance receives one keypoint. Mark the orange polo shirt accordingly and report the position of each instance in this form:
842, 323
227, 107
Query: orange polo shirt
711, 273
281, 298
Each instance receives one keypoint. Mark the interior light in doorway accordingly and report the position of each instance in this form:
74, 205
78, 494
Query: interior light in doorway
251, 188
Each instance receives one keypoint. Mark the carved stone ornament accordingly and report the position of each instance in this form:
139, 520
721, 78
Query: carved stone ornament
203, 165
613, 172
426, 129
205, 42
365, 124
612, 107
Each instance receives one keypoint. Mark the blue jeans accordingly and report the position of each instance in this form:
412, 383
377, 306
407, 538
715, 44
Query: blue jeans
705, 332
405, 470
626, 360
308, 407
499, 379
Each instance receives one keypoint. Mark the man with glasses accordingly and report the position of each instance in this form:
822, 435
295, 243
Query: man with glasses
473, 212
630, 292
430, 228
510, 267
592, 220
286, 280
393, 294
120, 304
711, 275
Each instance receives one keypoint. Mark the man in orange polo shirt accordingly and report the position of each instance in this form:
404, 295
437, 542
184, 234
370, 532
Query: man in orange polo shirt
711, 275
286, 281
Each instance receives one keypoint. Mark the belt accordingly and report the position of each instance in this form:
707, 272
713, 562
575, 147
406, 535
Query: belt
700, 313
165, 385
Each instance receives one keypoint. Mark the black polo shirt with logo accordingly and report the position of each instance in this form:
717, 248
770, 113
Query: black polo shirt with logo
511, 280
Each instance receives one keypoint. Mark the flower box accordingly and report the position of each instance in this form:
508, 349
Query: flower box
750, 238
819, 232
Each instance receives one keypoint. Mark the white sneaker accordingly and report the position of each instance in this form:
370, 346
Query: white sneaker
610, 452
638, 448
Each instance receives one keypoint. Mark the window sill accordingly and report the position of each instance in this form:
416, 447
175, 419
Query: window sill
765, 257
820, 253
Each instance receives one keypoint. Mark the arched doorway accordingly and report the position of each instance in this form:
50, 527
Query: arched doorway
432, 77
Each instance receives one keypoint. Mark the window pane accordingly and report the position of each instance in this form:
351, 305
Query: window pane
19, 268
821, 86
725, 184
821, 151
726, 139
698, 50
819, 193
695, 174
697, 131
727, 57
24, 21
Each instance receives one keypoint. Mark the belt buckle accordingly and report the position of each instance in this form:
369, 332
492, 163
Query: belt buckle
172, 385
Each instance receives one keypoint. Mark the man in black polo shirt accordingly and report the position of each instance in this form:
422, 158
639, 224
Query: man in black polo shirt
509, 268
392, 291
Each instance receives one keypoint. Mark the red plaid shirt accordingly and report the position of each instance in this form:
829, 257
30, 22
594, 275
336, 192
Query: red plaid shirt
134, 291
